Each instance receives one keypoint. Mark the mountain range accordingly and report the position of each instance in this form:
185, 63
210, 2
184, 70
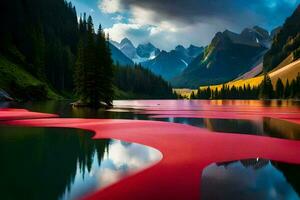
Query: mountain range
166, 64
141, 53
171, 64
228, 56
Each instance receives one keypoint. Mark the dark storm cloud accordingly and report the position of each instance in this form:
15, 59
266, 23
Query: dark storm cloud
239, 12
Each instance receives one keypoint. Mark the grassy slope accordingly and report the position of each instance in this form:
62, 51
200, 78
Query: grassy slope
285, 62
289, 72
12, 72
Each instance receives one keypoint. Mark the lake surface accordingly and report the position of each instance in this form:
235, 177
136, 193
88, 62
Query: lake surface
251, 179
67, 164
53, 163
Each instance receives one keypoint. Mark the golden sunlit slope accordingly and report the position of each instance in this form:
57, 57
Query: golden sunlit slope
285, 62
289, 72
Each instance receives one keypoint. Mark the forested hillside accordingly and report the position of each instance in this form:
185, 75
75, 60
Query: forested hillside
138, 81
42, 37
41, 41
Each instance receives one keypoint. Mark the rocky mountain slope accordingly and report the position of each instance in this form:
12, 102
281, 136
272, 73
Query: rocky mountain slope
286, 42
227, 57
171, 64
119, 57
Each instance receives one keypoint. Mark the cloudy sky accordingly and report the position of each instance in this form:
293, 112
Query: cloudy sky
167, 23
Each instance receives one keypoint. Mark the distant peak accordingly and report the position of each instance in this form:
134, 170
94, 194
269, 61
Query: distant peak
261, 30
258, 27
179, 48
148, 44
163, 52
125, 41
194, 47
226, 31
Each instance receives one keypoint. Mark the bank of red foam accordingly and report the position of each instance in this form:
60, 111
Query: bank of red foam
14, 114
186, 152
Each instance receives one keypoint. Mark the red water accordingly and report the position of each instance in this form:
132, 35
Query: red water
186, 150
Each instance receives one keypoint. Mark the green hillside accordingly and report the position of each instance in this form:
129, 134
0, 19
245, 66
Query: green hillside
22, 85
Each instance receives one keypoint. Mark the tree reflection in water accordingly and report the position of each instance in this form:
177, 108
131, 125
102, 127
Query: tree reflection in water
51, 163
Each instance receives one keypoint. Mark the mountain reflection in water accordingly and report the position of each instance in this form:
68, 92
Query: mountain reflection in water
257, 178
51, 163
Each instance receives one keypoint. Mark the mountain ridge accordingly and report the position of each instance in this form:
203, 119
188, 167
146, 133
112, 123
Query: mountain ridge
286, 42
228, 56
163, 63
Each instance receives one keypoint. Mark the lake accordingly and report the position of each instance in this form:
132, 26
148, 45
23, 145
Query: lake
59, 163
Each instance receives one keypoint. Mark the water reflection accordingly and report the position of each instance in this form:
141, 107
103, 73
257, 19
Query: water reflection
131, 110
266, 127
251, 179
44, 163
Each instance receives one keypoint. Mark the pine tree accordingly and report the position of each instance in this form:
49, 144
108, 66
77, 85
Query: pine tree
266, 88
39, 52
293, 87
100, 59
208, 93
109, 74
279, 89
287, 90
192, 95
298, 86
93, 97
79, 73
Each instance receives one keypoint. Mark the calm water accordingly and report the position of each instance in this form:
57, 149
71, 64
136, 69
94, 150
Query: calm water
66, 164
257, 178
51, 163
134, 110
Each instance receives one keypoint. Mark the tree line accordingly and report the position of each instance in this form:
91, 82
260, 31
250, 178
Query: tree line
266, 90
